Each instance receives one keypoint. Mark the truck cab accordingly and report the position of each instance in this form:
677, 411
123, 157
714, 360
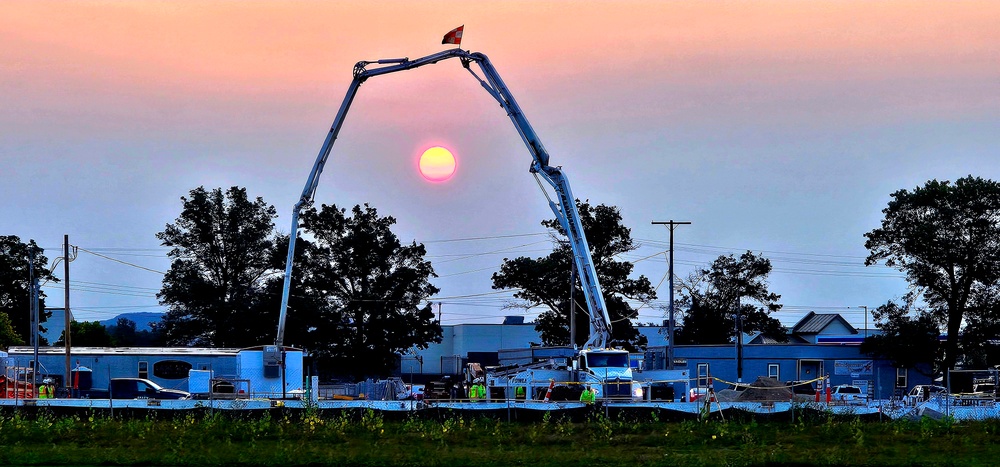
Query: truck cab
610, 372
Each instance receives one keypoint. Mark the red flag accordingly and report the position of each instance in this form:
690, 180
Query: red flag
454, 36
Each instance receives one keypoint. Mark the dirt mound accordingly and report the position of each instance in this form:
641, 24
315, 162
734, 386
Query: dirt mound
765, 389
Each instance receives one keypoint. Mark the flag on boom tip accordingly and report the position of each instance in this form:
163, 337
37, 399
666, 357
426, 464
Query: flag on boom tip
454, 36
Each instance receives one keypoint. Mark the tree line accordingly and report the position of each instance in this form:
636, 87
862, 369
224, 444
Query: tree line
360, 297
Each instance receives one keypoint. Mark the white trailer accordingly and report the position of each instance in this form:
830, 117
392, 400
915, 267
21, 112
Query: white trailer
260, 369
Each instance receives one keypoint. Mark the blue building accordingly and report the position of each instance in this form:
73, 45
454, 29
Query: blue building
818, 345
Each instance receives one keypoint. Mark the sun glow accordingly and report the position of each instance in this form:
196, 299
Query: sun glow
437, 164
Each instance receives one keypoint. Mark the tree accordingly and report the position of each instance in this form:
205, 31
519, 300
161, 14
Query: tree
222, 246
709, 301
15, 289
125, 333
87, 334
946, 238
980, 340
909, 340
7, 335
543, 281
372, 287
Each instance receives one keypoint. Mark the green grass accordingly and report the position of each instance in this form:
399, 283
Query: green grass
367, 439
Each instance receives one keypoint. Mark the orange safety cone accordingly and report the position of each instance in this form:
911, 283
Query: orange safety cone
548, 394
817, 392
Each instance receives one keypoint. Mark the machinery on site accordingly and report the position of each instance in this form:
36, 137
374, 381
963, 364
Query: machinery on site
560, 373
595, 364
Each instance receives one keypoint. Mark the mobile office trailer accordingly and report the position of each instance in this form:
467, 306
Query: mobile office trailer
256, 371
168, 367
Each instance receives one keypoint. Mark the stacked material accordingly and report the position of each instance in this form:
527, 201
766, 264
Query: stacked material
765, 389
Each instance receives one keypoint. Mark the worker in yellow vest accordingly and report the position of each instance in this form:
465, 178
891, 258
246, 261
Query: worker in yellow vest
588, 395
477, 392
43, 390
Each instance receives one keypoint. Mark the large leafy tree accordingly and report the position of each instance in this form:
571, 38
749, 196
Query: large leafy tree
221, 249
87, 334
373, 292
308, 306
125, 333
710, 296
15, 289
908, 339
544, 281
7, 335
946, 238
980, 347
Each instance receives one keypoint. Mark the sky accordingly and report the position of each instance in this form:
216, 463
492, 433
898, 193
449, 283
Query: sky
779, 127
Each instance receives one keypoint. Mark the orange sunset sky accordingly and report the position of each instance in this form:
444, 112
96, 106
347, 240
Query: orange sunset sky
775, 126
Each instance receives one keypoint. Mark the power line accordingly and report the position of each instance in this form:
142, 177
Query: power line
122, 262
467, 239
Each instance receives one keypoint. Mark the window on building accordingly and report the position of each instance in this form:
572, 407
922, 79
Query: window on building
144, 369
773, 371
171, 369
703, 373
900, 377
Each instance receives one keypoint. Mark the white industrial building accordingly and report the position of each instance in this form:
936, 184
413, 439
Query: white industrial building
480, 342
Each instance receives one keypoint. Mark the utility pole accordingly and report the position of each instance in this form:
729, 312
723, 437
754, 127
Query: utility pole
33, 285
865, 307
739, 341
66, 315
31, 296
671, 225
866, 319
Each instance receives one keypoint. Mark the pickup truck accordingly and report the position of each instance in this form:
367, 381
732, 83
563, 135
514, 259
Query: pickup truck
134, 388
847, 394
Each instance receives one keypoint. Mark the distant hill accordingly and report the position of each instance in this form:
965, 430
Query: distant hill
141, 320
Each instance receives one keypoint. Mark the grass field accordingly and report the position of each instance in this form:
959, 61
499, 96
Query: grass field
367, 439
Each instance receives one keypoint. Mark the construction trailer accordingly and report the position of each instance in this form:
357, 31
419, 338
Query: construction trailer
255, 371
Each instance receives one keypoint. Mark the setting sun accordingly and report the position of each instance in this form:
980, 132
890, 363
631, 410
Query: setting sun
437, 164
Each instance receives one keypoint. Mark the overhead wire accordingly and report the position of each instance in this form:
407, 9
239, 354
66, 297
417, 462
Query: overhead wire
493, 297
122, 262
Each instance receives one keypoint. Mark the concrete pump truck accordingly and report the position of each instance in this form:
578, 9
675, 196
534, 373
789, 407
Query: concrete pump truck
606, 369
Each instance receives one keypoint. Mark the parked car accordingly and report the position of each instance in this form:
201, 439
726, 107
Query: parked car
847, 393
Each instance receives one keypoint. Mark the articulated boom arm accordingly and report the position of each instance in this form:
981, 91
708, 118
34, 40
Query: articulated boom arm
565, 210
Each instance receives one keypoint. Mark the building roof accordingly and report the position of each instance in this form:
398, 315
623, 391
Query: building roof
760, 338
199, 351
815, 323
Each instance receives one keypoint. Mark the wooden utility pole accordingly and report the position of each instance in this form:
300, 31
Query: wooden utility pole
66, 314
671, 224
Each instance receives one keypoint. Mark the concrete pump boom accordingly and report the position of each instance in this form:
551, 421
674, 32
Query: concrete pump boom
565, 210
